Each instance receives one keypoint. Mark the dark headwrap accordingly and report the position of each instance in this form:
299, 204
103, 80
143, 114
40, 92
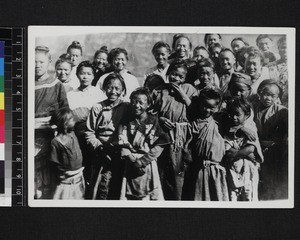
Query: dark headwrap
237, 77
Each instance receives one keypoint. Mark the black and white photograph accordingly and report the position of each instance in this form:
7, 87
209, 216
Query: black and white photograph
198, 117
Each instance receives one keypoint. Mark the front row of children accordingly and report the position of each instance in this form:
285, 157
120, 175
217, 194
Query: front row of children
172, 142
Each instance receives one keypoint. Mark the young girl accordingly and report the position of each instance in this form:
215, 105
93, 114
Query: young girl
161, 52
63, 68
172, 101
66, 157
81, 101
271, 119
243, 156
75, 51
206, 75
208, 150
101, 135
238, 43
50, 95
142, 140
227, 61
118, 58
101, 64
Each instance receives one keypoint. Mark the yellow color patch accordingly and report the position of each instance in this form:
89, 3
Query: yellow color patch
1, 101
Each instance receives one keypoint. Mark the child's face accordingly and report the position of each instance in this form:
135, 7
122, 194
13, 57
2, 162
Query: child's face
237, 116
177, 76
75, 56
120, 62
200, 54
215, 53
139, 104
101, 60
282, 49
237, 45
227, 60
213, 38
206, 76
182, 48
253, 67
113, 90
41, 64
269, 95
208, 107
63, 71
239, 90
86, 76
161, 55
265, 44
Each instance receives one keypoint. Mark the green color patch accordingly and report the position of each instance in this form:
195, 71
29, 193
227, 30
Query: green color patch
1, 83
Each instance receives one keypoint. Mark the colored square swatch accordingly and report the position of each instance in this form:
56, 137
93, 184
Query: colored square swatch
1, 84
2, 134
1, 100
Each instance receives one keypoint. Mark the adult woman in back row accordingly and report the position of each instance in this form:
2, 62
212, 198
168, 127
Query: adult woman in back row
50, 96
118, 58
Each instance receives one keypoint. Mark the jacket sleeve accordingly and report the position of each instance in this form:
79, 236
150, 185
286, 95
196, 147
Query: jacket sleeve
90, 134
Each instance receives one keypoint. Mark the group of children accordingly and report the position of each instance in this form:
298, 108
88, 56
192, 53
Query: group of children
211, 126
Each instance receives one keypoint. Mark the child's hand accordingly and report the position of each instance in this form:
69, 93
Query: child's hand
249, 133
231, 154
177, 88
251, 157
167, 123
137, 163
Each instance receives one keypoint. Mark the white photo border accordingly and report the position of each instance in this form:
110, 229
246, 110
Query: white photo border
48, 31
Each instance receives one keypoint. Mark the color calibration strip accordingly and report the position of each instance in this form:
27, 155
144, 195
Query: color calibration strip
2, 120
12, 164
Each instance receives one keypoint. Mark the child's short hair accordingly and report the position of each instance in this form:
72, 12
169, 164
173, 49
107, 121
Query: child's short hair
208, 34
84, 64
111, 77
199, 47
141, 91
103, 49
227, 50
262, 36
161, 44
43, 49
114, 53
206, 94
241, 103
205, 62
268, 82
154, 79
74, 45
178, 63
281, 41
240, 39
64, 58
59, 118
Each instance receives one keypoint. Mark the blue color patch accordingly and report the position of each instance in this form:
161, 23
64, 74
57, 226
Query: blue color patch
1, 66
